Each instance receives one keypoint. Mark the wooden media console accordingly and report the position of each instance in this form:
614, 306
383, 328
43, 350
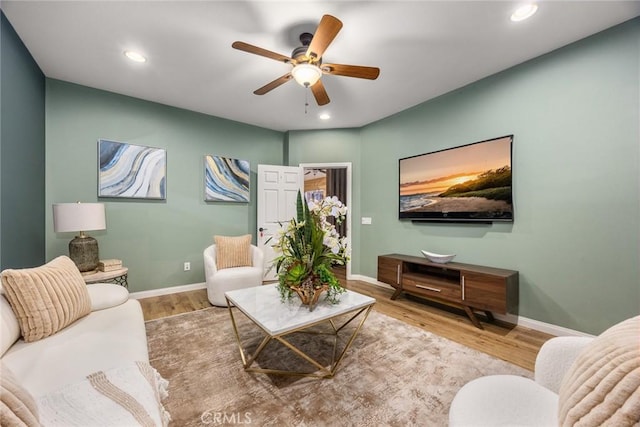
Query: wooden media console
472, 287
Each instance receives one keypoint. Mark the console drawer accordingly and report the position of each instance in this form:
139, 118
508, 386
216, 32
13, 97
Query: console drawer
435, 289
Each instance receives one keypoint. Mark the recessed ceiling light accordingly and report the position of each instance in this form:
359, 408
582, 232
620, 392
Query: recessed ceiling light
325, 116
524, 12
135, 56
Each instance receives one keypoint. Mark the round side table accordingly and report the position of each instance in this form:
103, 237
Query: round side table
119, 277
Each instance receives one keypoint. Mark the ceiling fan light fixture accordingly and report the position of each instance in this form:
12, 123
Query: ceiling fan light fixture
306, 74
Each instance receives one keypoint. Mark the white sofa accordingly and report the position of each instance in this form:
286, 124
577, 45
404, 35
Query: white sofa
577, 380
54, 370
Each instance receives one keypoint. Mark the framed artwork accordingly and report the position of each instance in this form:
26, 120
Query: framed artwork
225, 179
131, 171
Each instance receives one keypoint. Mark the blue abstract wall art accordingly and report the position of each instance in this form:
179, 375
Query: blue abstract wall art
131, 171
226, 179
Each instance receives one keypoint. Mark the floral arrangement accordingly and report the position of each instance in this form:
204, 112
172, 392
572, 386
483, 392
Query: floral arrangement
308, 246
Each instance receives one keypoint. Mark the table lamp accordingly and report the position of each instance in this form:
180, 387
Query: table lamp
80, 217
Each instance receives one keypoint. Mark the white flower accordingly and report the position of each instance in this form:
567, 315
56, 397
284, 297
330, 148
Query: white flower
332, 243
329, 206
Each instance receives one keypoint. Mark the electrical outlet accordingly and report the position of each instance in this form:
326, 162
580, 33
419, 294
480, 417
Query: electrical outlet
187, 266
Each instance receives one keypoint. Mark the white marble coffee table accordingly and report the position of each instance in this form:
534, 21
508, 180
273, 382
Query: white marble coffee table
262, 306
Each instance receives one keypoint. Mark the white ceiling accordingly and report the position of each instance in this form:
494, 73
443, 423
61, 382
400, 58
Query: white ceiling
423, 49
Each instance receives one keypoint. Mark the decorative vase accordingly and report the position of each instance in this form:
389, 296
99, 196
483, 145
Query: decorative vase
309, 293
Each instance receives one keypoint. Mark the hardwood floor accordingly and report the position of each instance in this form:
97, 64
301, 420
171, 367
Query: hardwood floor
514, 344
172, 304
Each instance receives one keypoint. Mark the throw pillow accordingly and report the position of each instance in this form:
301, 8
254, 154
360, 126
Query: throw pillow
233, 251
48, 298
602, 386
17, 406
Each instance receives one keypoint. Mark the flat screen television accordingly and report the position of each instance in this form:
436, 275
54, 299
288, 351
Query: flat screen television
470, 183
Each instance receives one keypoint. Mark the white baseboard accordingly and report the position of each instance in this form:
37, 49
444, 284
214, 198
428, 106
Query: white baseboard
537, 325
547, 328
167, 291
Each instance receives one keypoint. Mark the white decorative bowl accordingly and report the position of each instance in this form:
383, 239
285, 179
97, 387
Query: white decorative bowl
437, 258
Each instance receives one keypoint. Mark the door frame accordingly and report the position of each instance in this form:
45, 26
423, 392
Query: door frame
348, 202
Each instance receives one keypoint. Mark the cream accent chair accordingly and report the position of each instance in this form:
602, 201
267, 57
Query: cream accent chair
229, 279
577, 380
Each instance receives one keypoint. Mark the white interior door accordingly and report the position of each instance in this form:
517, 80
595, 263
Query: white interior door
277, 192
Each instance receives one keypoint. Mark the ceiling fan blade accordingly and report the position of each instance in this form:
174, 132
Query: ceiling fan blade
325, 33
246, 47
357, 71
320, 93
274, 84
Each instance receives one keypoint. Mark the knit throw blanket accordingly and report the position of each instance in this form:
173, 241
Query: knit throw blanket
602, 387
129, 395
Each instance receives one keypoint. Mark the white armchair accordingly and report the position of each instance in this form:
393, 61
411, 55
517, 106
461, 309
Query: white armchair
220, 281
503, 400
591, 380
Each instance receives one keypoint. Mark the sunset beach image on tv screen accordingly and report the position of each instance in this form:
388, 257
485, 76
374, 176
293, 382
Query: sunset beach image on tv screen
472, 181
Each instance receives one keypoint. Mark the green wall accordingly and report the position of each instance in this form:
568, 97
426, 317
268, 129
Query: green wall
153, 238
22, 162
575, 117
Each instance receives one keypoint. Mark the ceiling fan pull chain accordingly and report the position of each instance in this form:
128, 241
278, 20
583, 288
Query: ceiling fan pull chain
306, 100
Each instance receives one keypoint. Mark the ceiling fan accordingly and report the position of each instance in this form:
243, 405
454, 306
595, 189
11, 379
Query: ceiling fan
307, 61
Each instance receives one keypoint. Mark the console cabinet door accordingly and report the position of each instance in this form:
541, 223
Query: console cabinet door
484, 292
389, 271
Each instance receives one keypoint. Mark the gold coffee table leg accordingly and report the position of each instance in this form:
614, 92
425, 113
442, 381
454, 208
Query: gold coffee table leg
325, 372
353, 336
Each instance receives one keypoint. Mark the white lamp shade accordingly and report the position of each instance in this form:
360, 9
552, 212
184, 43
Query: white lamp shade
78, 217
306, 74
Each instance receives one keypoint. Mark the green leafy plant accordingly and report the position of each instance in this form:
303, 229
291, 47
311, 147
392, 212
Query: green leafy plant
308, 246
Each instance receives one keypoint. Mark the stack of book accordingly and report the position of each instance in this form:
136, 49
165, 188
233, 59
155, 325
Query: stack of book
109, 264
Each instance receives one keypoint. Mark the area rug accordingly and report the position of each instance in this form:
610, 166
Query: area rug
393, 374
